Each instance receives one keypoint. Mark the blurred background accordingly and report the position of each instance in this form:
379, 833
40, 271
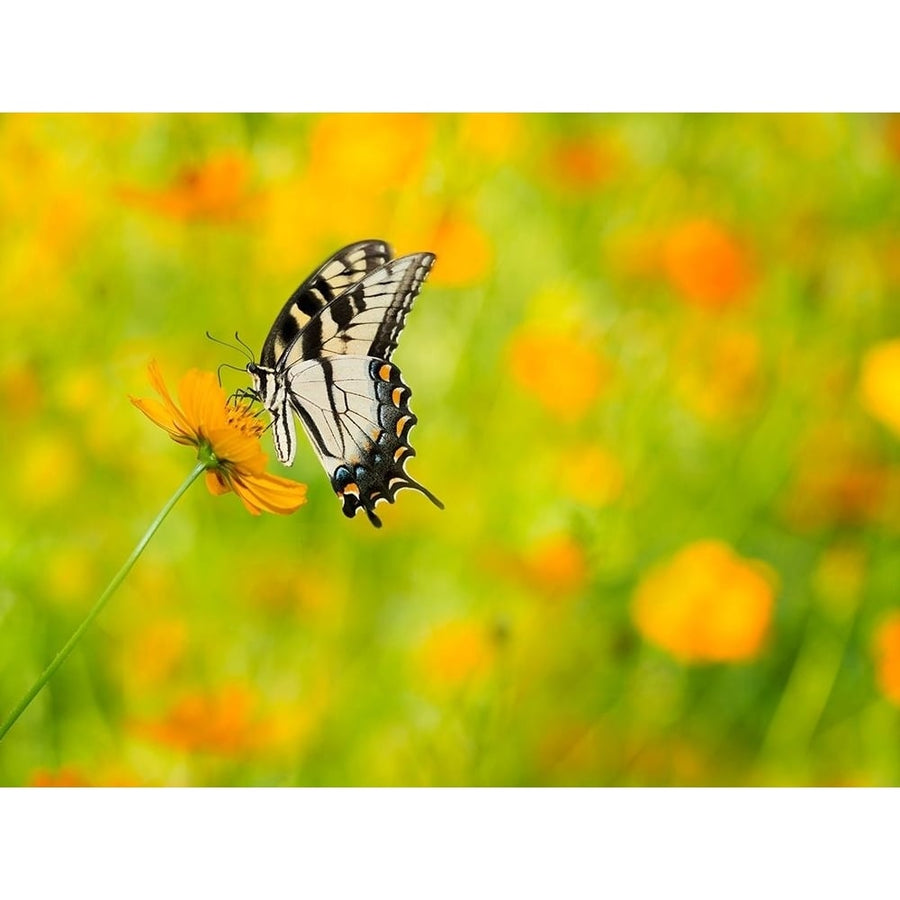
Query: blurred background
657, 375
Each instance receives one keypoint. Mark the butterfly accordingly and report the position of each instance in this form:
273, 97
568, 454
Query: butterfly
327, 360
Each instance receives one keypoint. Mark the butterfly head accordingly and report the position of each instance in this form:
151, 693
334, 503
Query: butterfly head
264, 383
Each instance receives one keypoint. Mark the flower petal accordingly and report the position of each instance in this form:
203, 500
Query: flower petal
216, 484
269, 492
160, 415
203, 400
156, 381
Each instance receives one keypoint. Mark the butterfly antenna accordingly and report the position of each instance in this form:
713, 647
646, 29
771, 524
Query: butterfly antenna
242, 349
244, 345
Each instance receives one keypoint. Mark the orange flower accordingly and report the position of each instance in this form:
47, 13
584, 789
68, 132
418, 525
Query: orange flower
231, 721
557, 566
224, 722
67, 776
580, 164
879, 383
886, 650
705, 264
706, 604
720, 373
226, 435
561, 372
216, 190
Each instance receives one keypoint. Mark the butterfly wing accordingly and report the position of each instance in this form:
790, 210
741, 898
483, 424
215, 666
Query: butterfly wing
341, 271
355, 411
367, 318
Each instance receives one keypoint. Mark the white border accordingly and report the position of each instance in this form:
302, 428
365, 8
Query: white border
644, 55
448, 843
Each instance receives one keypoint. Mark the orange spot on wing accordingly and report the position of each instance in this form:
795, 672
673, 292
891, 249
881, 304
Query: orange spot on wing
384, 373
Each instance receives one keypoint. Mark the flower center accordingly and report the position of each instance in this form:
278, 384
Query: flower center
241, 418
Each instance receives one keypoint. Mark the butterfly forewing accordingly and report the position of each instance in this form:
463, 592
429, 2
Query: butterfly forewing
366, 320
339, 272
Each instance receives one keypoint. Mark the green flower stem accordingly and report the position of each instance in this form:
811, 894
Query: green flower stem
104, 598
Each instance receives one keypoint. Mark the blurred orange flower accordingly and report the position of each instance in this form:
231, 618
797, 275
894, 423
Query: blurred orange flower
886, 650
230, 433
224, 722
557, 565
463, 248
839, 481
216, 190
892, 135
719, 375
563, 373
879, 383
582, 163
66, 776
705, 264
457, 652
705, 604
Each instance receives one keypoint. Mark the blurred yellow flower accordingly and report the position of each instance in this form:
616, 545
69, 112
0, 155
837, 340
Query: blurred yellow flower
365, 149
493, 135
155, 652
50, 470
592, 475
879, 383
705, 264
886, 650
68, 575
216, 190
563, 373
231, 433
457, 652
705, 604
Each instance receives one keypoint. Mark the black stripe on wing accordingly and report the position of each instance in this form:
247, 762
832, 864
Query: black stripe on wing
339, 272
366, 320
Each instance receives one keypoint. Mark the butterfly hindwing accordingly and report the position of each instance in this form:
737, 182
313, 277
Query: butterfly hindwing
341, 271
367, 318
355, 412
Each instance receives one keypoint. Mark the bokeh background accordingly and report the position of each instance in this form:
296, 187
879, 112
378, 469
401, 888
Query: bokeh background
657, 374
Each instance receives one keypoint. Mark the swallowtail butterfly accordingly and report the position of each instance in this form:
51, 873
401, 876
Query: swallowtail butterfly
327, 359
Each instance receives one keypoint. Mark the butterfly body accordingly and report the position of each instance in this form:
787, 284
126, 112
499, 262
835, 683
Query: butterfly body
327, 361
